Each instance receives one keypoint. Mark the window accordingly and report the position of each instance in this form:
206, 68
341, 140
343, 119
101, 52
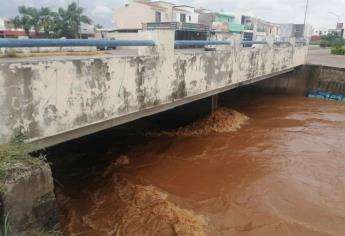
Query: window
190, 18
158, 16
182, 17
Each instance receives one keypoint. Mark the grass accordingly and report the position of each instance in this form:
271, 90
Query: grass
338, 50
6, 228
15, 159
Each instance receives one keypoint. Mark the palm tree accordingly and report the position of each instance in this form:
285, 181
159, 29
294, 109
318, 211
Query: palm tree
64, 23
72, 18
46, 18
29, 19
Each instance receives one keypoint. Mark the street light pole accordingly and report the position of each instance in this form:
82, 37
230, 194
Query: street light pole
305, 17
79, 26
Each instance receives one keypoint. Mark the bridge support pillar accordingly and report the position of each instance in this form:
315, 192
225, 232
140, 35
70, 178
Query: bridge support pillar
214, 103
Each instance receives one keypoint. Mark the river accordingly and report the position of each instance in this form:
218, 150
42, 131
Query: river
269, 165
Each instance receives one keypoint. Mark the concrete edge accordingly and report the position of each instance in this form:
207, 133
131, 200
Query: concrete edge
326, 66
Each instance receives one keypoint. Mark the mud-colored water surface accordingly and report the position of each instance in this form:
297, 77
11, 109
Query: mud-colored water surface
278, 168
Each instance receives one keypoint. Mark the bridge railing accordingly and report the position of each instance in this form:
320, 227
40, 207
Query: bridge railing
102, 43
200, 42
19, 43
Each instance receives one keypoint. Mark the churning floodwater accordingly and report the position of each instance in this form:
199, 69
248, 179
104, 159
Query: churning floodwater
269, 165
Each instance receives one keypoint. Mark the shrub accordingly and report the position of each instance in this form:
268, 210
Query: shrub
332, 40
338, 50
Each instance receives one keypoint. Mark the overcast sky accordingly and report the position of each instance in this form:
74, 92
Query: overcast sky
101, 11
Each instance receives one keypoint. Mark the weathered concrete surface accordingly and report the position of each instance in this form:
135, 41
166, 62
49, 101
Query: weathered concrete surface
296, 82
58, 100
327, 78
29, 201
305, 78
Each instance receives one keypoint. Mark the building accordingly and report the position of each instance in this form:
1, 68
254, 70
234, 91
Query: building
220, 21
7, 30
320, 31
185, 14
2, 23
299, 31
135, 13
87, 31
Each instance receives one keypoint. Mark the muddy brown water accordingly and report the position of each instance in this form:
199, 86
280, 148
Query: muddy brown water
280, 172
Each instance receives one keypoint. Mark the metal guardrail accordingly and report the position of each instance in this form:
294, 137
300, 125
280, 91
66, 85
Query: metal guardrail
301, 42
278, 43
253, 42
200, 42
100, 43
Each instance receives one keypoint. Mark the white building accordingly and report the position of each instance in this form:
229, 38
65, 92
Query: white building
2, 23
185, 13
319, 31
134, 13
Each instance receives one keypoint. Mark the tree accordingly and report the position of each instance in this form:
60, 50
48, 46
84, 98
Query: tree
46, 20
332, 40
28, 19
71, 19
64, 23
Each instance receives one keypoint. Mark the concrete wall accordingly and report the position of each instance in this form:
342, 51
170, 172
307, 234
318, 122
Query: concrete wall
29, 202
303, 79
60, 99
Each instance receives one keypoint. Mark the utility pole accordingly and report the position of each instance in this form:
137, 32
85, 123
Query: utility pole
305, 17
79, 26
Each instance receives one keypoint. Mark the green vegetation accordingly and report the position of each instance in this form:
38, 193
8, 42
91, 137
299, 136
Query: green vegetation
332, 40
15, 158
336, 42
6, 228
63, 23
338, 50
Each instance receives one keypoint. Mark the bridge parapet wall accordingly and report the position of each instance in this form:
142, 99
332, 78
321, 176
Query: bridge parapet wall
54, 100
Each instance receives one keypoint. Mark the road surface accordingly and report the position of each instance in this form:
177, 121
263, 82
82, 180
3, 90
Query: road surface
323, 56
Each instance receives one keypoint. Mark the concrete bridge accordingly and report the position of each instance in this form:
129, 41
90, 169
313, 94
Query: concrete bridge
56, 99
